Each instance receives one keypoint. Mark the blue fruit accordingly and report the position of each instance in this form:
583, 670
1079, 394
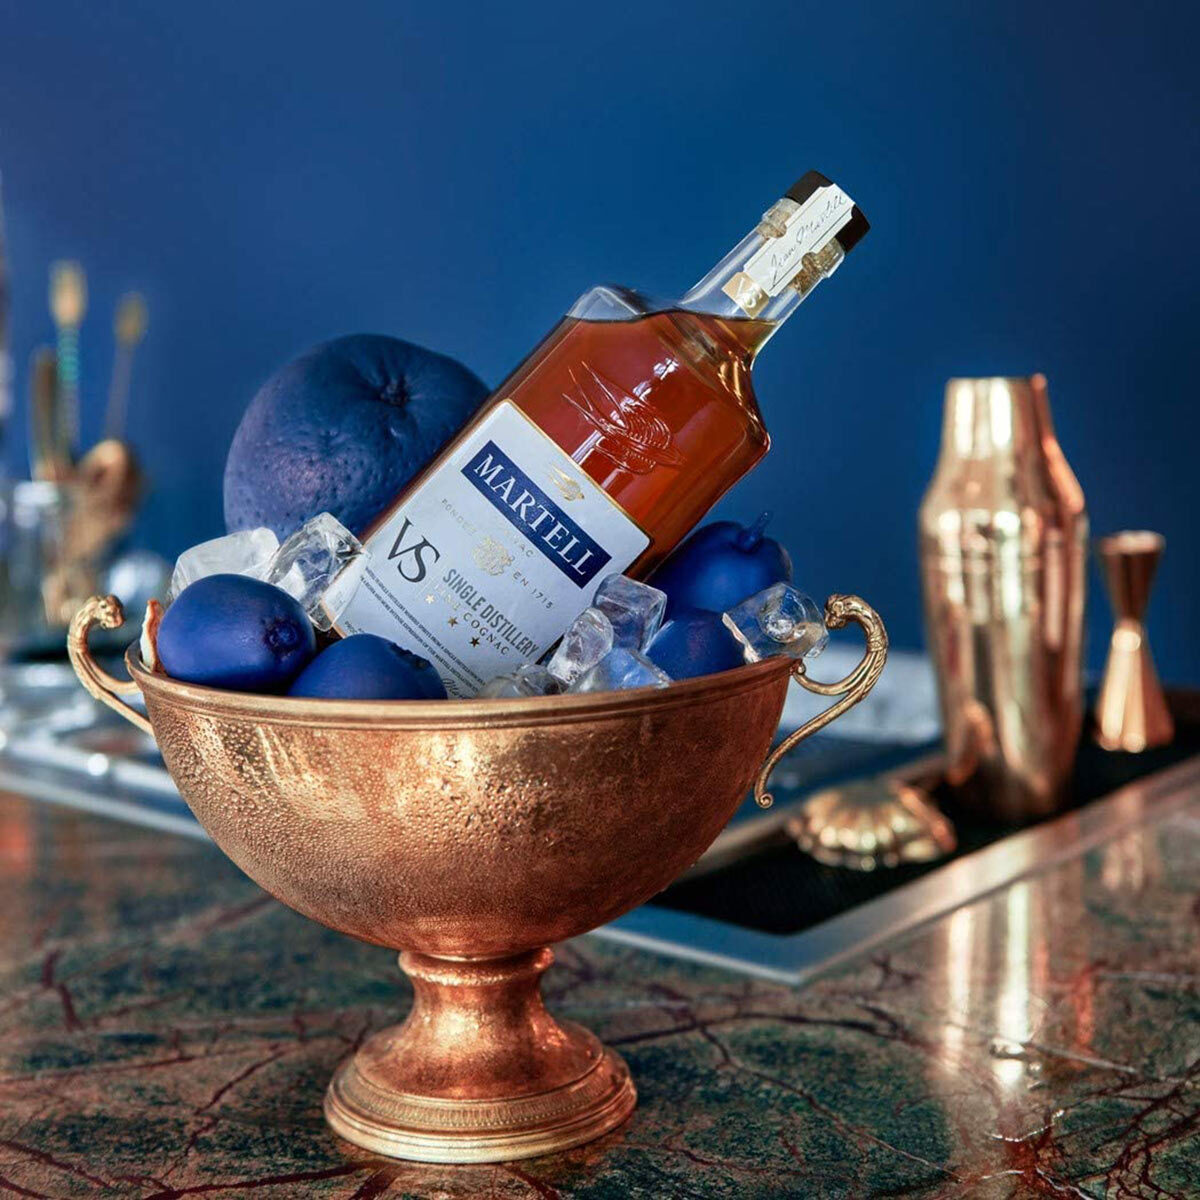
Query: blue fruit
230, 631
695, 643
720, 565
366, 667
342, 429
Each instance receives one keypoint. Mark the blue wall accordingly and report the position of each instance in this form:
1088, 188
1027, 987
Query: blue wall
272, 174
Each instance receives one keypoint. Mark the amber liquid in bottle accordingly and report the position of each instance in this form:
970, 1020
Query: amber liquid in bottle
659, 410
600, 452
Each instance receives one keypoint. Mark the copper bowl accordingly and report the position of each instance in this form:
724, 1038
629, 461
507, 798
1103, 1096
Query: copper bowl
470, 835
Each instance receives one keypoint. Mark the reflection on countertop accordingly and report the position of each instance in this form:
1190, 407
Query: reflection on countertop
167, 1030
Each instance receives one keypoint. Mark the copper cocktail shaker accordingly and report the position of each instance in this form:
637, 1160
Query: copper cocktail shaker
1003, 548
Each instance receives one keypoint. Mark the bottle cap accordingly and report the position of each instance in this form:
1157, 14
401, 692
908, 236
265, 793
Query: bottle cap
853, 230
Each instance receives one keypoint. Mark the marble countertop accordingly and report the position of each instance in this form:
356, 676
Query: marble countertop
167, 1030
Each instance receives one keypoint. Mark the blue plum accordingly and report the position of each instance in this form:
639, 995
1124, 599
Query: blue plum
695, 643
719, 565
366, 667
342, 429
231, 631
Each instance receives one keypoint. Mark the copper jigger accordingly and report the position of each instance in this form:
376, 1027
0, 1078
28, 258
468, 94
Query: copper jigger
470, 834
1131, 711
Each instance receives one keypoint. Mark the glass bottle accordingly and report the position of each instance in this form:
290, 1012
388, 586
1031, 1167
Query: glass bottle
599, 453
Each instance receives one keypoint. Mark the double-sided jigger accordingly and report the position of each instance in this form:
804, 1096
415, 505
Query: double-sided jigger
1131, 711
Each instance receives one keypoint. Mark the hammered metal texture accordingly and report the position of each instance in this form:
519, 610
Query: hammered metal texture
471, 834
467, 828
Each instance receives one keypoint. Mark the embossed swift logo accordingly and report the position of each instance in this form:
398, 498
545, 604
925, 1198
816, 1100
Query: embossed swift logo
567, 488
546, 526
630, 431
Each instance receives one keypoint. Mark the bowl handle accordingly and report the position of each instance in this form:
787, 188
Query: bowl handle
838, 611
107, 612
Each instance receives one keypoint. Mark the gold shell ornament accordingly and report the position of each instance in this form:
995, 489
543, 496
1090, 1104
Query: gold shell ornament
872, 823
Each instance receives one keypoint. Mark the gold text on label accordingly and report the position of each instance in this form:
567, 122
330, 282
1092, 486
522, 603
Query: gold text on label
745, 293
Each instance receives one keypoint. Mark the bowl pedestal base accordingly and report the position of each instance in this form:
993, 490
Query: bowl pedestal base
480, 1071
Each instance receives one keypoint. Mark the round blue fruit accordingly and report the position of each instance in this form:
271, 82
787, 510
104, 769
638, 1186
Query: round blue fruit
366, 667
720, 565
230, 631
695, 643
342, 429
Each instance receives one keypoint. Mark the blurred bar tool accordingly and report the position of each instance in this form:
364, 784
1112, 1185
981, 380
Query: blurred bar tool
129, 328
66, 521
1131, 711
68, 304
97, 498
109, 483
1003, 544
49, 454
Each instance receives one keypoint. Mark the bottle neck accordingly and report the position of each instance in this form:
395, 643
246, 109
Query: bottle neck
764, 278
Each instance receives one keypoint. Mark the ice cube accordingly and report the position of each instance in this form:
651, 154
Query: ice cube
588, 639
538, 681
501, 687
619, 669
321, 565
247, 552
634, 609
779, 620
528, 680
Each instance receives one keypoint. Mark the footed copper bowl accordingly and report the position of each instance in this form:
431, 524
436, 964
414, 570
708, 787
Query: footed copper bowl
470, 835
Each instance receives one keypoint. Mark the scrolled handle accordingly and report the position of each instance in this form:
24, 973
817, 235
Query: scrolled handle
105, 611
839, 610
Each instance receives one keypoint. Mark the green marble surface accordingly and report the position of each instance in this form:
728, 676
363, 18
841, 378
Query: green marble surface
166, 1030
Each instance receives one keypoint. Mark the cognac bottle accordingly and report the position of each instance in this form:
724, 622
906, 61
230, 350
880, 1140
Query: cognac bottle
598, 454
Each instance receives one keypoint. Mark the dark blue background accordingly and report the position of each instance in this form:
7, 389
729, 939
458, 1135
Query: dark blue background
272, 174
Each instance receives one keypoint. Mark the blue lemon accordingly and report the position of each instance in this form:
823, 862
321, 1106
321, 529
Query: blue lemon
695, 643
342, 429
230, 631
720, 565
366, 667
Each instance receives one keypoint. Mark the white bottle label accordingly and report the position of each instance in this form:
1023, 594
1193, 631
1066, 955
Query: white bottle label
485, 564
775, 264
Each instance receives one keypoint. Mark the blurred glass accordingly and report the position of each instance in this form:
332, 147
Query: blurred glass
34, 522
